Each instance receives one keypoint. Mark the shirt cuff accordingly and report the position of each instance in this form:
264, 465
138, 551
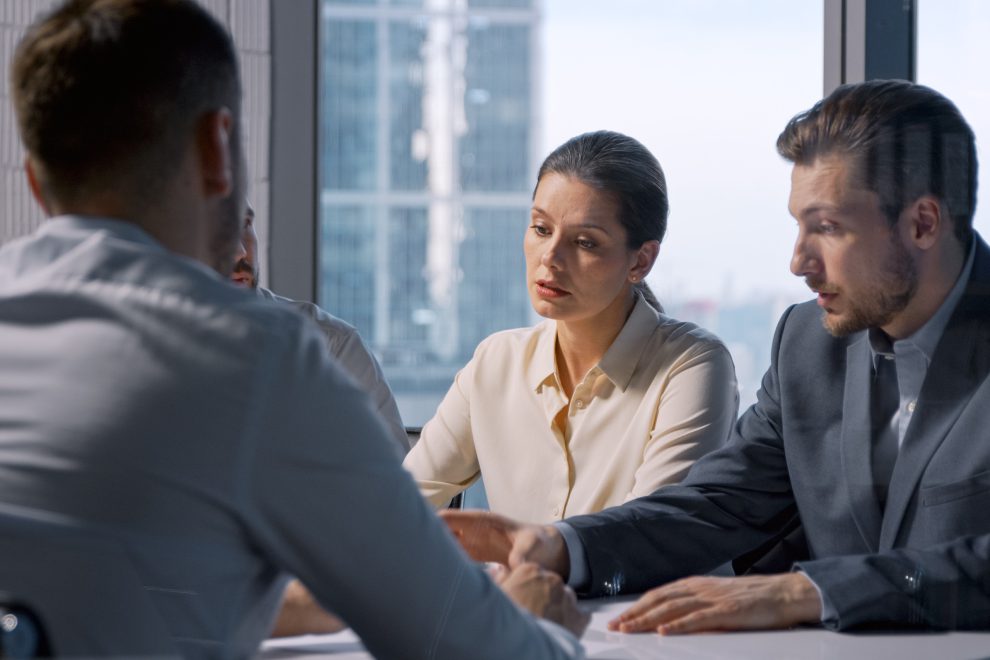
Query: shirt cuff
579, 576
828, 610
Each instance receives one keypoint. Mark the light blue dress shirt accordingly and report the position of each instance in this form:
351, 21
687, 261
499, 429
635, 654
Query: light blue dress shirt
208, 432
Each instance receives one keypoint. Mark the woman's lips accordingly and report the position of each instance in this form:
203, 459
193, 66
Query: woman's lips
546, 289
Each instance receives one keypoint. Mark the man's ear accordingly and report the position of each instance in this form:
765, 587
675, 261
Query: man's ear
214, 151
927, 219
34, 182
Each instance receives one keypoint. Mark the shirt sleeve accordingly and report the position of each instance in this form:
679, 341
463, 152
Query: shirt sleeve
444, 461
325, 499
578, 575
358, 361
695, 415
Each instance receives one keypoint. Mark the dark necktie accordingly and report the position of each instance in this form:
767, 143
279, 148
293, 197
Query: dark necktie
885, 400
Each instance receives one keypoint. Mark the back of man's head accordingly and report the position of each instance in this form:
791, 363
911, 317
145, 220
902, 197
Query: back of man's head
108, 92
903, 141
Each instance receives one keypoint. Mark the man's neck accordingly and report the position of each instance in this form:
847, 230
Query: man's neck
936, 277
175, 229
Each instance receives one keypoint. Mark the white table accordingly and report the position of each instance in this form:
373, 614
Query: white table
808, 643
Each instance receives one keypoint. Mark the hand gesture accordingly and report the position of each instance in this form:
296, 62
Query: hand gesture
487, 536
544, 594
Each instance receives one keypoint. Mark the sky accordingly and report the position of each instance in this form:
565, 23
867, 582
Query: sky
707, 85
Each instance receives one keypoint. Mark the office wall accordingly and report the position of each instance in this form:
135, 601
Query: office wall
248, 21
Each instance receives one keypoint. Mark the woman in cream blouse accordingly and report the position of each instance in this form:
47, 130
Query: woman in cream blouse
608, 398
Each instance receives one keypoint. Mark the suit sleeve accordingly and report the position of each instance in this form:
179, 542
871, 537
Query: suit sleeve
946, 586
731, 501
327, 501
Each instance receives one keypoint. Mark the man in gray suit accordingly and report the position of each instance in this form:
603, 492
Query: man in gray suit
871, 423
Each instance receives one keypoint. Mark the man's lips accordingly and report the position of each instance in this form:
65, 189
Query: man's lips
548, 289
825, 298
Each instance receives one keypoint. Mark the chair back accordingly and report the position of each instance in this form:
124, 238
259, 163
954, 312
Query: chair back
82, 589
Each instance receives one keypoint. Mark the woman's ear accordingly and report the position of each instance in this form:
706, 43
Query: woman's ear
646, 256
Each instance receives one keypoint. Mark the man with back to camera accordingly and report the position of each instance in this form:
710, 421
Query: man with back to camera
870, 424
343, 340
120, 338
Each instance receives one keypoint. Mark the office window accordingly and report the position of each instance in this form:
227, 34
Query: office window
407, 138
348, 264
436, 115
707, 86
348, 105
952, 40
493, 285
426, 155
495, 149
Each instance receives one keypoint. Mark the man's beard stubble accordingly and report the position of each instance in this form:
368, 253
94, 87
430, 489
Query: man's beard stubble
244, 267
881, 300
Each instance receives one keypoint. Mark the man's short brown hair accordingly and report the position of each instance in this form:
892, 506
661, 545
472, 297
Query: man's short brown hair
904, 141
107, 92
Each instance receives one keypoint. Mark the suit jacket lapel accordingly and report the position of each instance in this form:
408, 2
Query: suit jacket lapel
960, 363
857, 443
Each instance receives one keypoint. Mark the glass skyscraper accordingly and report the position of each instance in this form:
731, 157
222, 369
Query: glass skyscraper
429, 144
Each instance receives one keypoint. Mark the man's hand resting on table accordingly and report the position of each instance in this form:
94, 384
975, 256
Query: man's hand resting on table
543, 593
490, 537
694, 604
704, 604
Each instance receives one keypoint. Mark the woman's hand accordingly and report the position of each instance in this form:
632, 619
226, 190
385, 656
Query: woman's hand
487, 536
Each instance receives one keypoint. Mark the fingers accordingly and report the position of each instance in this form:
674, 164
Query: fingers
579, 618
654, 599
676, 616
716, 604
497, 572
483, 535
544, 594
542, 545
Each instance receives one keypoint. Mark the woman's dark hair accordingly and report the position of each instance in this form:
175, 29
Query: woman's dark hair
620, 166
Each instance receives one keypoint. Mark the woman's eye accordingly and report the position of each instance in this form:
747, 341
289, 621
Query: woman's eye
586, 244
540, 230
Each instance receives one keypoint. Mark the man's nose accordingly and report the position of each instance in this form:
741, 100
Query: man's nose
804, 260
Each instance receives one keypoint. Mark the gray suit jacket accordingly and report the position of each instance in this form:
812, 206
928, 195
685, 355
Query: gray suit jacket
804, 448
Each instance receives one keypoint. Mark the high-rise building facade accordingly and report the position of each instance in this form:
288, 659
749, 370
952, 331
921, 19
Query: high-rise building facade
429, 142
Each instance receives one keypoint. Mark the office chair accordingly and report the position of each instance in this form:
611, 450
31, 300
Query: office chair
21, 632
78, 591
